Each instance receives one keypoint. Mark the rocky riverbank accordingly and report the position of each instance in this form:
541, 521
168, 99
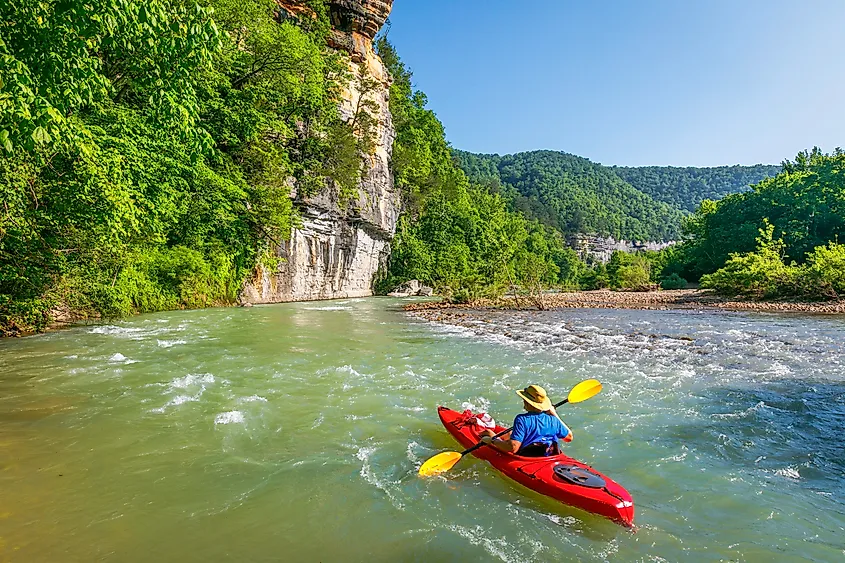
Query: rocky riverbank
664, 299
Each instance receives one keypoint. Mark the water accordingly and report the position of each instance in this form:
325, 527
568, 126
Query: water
293, 433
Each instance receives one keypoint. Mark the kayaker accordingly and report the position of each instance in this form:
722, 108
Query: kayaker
539, 429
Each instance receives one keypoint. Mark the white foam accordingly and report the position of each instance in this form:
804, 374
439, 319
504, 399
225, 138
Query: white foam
169, 343
110, 329
318, 421
192, 379
253, 399
497, 547
743, 414
364, 453
178, 400
789, 472
231, 417
483, 405
118, 358
192, 382
350, 370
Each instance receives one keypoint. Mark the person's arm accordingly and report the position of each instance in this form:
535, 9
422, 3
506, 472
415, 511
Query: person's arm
505, 444
566, 433
509, 442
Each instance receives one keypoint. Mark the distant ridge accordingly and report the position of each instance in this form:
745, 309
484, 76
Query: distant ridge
573, 195
686, 187
576, 195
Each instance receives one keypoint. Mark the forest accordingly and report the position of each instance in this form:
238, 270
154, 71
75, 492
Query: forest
686, 187
782, 238
146, 148
573, 195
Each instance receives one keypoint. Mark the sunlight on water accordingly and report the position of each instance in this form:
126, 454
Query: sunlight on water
293, 432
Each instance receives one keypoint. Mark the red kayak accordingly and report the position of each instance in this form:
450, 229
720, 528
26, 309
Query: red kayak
560, 477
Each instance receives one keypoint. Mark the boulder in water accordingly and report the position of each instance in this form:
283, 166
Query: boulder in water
411, 288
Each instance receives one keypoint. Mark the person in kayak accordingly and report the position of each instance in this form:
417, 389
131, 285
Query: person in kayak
535, 432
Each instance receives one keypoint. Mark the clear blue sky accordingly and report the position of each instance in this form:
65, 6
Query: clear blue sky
636, 82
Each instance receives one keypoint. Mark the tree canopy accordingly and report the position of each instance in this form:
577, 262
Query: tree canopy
149, 149
686, 187
573, 195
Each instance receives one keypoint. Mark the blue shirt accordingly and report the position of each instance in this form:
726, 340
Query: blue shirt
537, 427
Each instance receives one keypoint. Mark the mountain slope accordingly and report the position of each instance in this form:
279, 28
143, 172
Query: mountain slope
686, 187
573, 194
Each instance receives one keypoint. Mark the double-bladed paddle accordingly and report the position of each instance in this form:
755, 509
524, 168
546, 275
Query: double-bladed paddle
446, 460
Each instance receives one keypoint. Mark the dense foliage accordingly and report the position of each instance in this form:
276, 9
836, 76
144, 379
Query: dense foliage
573, 195
764, 273
146, 149
805, 204
686, 187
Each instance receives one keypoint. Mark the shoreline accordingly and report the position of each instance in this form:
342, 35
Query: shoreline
648, 300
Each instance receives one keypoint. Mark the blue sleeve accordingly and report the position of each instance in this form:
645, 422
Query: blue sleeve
518, 433
563, 432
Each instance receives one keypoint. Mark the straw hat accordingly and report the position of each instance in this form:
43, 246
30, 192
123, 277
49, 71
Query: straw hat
536, 396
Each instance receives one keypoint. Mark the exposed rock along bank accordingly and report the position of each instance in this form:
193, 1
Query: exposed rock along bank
338, 249
664, 299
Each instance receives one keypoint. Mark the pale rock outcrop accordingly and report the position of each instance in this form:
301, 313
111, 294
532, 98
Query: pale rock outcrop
411, 288
338, 248
600, 249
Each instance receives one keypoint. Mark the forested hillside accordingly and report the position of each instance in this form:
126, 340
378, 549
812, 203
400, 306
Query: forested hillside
686, 187
573, 195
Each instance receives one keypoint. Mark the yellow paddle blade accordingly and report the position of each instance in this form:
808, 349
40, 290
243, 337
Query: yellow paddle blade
440, 463
584, 390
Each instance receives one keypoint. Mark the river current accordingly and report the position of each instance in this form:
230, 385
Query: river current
293, 433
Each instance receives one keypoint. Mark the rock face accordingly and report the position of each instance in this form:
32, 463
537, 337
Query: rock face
599, 249
338, 249
355, 23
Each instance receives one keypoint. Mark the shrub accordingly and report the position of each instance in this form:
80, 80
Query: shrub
629, 271
824, 273
636, 277
594, 278
760, 274
673, 281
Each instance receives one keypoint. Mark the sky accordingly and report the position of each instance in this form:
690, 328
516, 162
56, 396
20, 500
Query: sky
631, 83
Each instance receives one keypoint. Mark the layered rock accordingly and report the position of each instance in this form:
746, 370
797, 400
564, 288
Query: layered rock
355, 23
338, 248
600, 249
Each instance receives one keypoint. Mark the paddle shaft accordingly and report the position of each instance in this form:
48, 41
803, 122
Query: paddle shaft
503, 432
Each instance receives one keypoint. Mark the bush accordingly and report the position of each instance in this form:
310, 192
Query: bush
760, 274
594, 278
824, 273
635, 277
673, 281
629, 271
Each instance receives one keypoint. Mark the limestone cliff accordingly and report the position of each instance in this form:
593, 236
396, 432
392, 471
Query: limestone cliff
338, 249
599, 249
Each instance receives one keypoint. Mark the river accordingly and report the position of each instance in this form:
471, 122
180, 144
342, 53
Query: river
293, 433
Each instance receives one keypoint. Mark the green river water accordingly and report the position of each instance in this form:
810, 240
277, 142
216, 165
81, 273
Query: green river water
293, 433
